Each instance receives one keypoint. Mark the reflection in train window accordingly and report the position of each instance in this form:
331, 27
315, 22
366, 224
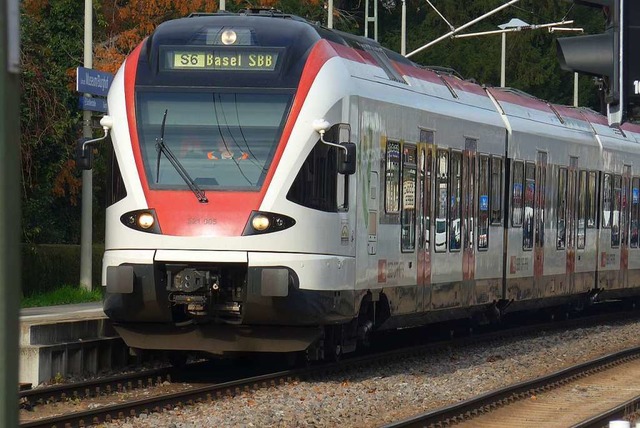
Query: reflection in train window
607, 183
562, 209
496, 190
455, 209
408, 216
518, 175
392, 178
483, 203
442, 200
591, 200
635, 211
582, 208
615, 212
529, 197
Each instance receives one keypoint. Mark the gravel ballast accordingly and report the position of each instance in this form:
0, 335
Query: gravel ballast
373, 396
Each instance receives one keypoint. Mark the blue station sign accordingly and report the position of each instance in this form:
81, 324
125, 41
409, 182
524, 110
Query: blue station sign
94, 82
93, 104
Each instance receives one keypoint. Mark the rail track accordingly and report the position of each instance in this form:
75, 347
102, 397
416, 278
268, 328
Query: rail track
206, 388
587, 395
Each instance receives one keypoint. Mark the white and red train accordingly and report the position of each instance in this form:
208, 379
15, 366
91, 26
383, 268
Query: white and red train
278, 186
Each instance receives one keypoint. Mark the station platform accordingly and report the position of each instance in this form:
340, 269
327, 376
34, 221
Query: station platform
57, 342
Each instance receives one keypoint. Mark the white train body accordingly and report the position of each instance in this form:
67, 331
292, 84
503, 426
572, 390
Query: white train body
466, 201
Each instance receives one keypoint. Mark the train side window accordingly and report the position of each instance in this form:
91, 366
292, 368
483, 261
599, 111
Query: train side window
483, 203
582, 210
442, 199
516, 202
615, 212
408, 215
635, 211
529, 198
455, 209
607, 184
562, 209
591, 200
392, 178
495, 198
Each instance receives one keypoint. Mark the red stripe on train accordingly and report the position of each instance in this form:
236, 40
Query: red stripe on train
179, 212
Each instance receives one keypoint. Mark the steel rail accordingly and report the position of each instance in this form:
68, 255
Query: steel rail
489, 401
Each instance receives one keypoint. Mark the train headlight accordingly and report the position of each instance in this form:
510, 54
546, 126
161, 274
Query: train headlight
264, 222
260, 223
228, 37
143, 220
146, 220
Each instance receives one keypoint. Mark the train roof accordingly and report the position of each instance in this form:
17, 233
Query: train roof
299, 35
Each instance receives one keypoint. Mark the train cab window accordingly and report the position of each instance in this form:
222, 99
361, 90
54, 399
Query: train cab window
115, 189
316, 184
442, 200
607, 192
516, 196
408, 214
561, 240
635, 211
392, 178
592, 200
529, 197
615, 212
582, 210
496, 190
455, 209
483, 203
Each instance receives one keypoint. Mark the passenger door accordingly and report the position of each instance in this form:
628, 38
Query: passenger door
468, 208
424, 233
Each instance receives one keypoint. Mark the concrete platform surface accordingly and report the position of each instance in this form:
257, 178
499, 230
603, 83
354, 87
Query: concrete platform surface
63, 312
67, 340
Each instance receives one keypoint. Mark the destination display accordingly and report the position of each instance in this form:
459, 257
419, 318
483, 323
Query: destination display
221, 59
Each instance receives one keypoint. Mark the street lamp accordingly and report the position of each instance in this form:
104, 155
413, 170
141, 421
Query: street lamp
516, 24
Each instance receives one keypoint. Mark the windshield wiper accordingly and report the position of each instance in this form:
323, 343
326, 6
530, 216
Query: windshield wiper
162, 148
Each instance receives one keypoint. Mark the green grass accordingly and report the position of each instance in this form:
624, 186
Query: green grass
62, 296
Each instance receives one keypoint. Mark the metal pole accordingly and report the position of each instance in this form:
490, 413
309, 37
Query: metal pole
366, 18
10, 212
86, 238
403, 29
457, 30
375, 20
575, 89
503, 60
222, 5
330, 15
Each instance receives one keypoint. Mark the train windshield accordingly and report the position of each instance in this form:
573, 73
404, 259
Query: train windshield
224, 141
